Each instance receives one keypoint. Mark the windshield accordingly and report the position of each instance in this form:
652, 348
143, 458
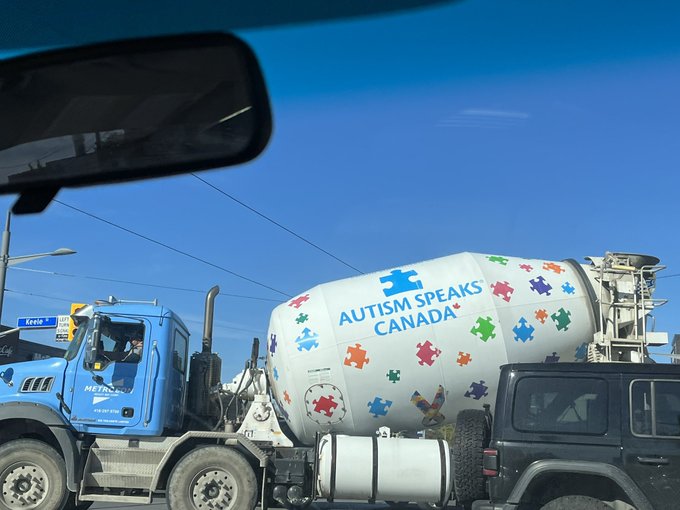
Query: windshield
74, 347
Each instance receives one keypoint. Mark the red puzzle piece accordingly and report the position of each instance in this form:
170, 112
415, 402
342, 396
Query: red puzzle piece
325, 405
298, 301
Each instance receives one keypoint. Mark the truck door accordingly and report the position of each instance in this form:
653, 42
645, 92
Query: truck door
109, 393
651, 442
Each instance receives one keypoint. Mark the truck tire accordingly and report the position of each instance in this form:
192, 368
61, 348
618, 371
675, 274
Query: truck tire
471, 436
576, 503
32, 475
212, 477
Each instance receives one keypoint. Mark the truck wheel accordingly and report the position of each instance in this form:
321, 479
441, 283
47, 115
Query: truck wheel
32, 475
471, 436
71, 503
212, 478
576, 503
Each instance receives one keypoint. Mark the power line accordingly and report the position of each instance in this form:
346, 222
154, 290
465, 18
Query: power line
668, 276
129, 282
171, 248
252, 209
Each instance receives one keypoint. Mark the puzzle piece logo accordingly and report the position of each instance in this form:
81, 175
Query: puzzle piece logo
308, 340
276, 374
286, 397
540, 285
498, 260
401, 282
324, 404
528, 268
523, 331
554, 358
541, 315
302, 318
299, 301
394, 376
477, 390
502, 290
568, 288
561, 319
356, 357
427, 353
379, 407
484, 328
431, 411
555, 268
272, 344
463, 358
581, 352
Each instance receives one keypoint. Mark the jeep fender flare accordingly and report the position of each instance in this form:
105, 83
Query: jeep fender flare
542, 467
57, 424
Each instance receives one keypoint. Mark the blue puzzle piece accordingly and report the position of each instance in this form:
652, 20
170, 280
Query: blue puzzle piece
308, 340
379, 407
552, 359
272, 344
540, 285
568, 288
523, 331
581, 351
477, 390
401, 282
276, 374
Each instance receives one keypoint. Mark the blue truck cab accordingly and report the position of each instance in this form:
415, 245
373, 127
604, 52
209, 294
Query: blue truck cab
104, 385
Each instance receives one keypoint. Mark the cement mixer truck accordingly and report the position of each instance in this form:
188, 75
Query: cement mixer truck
354, 370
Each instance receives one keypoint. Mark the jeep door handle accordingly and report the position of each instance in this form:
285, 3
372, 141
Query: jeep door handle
655, 461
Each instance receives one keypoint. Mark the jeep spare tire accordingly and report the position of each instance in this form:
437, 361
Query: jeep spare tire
471, 436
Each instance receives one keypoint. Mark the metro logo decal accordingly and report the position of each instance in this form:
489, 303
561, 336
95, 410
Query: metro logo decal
413, 311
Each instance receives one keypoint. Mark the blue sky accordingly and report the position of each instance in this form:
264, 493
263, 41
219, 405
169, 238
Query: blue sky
536, 129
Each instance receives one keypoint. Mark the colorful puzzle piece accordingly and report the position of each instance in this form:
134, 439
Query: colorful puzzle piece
401, 282
523, 331
272, 343
568, 288
555, 268
431, 411
308, 340
541, 315
379, 407
298, 301
554, 358
477, 390
325, 405
427, 353
286, 397
561, 319
581, 351
276, 374
463, 358
540, 285
356, 357
498, 260
502, 290
394, 376
302, 318
528, 268
484, 328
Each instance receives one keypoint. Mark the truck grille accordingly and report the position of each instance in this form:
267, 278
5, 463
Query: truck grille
37, 384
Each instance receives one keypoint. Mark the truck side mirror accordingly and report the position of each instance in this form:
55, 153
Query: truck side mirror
92, 345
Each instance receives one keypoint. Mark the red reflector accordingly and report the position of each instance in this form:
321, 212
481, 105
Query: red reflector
490, 451
489, 472
490, 462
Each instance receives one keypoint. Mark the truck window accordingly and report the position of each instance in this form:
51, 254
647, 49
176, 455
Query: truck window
655, 408
179, 351
560, 405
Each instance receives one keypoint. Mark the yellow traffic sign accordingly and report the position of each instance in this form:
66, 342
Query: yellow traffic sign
72, 326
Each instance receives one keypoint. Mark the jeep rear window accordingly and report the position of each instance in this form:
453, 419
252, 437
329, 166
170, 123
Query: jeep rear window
655, 408
562, 405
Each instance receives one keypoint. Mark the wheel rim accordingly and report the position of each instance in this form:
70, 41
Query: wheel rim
214, 489
24, 485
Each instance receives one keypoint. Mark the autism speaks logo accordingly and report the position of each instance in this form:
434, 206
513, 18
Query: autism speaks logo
411, 311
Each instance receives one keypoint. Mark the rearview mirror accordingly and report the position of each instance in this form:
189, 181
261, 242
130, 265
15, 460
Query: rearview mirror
128, 110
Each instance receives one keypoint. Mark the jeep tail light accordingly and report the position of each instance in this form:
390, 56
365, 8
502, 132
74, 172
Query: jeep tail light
490, 462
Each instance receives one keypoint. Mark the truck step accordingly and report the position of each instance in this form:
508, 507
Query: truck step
133, 461
118, 480
115, 498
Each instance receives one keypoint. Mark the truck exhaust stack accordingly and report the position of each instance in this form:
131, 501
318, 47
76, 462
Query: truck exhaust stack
208, 320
